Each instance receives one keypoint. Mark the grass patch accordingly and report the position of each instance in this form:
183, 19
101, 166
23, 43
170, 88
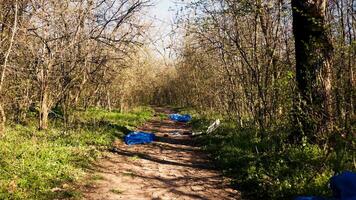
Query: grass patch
116, 191
162, 116
134, 158
129, 120
269, 167
129, 173
46, 164
97, 177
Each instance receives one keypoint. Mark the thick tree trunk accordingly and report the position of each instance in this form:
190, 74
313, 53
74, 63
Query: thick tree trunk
313, 51
351, 83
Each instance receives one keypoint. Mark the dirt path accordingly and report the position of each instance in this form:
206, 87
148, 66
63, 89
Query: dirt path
170, 168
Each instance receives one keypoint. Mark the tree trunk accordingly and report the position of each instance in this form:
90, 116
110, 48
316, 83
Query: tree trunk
4, 69
313, 51
350, 90
3, 119
108, 99
44, 110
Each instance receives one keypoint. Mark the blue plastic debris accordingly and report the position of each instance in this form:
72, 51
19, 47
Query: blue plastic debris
344, 186
180, 118
309, 198
139, 138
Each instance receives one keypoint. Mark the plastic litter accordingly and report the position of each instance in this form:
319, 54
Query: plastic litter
139, 138
309, 198
175, 133
210, 129
344, 186
180, 118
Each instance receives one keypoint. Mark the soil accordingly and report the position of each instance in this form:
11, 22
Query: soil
173, 167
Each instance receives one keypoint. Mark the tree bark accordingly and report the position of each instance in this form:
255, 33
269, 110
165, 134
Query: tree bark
45, 101
3, 120
4, 69
44, 110
313, 51
108, 100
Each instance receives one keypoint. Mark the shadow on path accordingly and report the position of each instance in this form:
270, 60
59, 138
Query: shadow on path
172, 167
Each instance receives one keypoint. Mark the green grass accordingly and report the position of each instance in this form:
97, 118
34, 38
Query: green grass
116, 191
129, 173
132, 119
162, 116
97, 177
270, 167
134, 158
34, 164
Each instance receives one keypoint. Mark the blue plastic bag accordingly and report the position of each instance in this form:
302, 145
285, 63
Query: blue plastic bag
344, 186
139, 138
180, 118
309, 198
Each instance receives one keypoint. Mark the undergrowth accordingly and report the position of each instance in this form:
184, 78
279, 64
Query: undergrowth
271, 168
48, 164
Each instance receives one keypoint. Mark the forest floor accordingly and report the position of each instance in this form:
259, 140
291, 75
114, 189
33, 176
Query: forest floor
173, 167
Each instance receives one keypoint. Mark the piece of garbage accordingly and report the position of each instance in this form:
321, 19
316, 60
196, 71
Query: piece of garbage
139, 138
175, 133
344, 186
309, 198
180, 118
210, 129
213, 126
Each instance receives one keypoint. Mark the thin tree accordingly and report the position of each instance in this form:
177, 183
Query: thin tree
4, 68
313, 51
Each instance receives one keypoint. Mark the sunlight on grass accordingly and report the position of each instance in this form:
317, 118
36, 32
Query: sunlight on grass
33, 164
269, 167
134, 158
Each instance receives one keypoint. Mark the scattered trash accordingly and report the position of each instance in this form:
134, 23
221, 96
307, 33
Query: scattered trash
180, 118
211, 128
344, 186
139, 138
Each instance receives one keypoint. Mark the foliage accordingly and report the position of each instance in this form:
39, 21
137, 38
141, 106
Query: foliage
270, 167
239, 60
34, 164
69, 54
